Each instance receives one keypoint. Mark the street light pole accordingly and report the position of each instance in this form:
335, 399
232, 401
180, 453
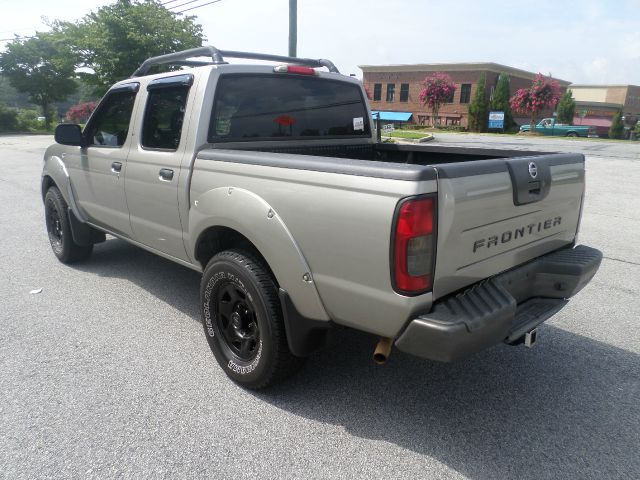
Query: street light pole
293, 27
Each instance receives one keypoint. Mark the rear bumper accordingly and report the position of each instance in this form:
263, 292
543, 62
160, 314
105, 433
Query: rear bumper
502, 308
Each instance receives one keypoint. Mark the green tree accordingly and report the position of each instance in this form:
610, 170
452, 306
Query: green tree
114, 40
479, 108
41, 67
500, 100
566, 108
617, 127
10, 97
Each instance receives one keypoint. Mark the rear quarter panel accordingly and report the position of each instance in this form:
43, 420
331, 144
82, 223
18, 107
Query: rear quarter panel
340, 226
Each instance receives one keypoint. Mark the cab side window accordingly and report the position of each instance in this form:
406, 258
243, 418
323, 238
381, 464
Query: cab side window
110, 124
163, 117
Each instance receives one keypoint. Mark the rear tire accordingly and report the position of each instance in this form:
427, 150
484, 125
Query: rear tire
242, 321
572, 134
59, 229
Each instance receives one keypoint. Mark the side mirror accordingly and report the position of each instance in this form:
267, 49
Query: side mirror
69, 134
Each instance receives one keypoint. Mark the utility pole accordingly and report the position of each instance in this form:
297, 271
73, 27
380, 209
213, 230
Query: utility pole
293, 27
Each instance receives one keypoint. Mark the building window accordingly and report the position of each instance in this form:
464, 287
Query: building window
450, 97
391, 91
465, 93
404, 92
377, 92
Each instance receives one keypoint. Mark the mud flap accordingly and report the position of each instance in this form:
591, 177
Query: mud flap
83, 234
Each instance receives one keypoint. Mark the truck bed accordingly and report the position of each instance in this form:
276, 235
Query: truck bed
492, 215
381, 152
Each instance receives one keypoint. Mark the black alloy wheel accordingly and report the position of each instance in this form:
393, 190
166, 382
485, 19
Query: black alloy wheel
243, 322
54, 225
237, 321
59, 229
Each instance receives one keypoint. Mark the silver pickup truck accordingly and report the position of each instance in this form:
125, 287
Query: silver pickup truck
268, 179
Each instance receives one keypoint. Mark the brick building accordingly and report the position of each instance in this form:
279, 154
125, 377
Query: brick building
396, 88
597, 104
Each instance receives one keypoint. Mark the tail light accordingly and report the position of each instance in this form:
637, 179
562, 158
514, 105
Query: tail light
413, 245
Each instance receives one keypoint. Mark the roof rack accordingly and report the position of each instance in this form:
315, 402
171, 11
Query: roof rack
217, 58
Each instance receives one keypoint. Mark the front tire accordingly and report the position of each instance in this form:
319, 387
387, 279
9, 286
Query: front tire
59, 229
243, 321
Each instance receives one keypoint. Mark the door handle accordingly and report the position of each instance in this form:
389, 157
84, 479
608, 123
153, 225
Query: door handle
116, 167
166, 174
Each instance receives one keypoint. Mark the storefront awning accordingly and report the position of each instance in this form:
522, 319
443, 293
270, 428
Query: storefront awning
392, 116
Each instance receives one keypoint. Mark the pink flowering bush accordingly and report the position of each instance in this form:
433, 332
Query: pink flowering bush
438, 89
543, 93
80, 113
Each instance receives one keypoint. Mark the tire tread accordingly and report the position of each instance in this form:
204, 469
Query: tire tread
71, 252
284, 363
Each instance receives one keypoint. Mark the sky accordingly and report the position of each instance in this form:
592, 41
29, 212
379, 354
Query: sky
586, 41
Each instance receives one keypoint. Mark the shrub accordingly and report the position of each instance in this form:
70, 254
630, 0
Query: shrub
451, 128
28, 121
80, 113
566, 108
8, 119
617, 127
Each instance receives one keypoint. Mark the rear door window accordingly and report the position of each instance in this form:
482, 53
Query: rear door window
164, 113
283, 107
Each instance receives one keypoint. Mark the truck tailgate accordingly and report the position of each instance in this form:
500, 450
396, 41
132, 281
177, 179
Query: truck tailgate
497, 214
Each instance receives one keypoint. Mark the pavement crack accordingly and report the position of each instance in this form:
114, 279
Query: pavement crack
620, 260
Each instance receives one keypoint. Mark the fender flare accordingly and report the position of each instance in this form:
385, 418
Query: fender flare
251, 216
55, 169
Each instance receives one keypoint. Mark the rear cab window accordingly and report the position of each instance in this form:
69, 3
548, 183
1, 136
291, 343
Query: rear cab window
279, 107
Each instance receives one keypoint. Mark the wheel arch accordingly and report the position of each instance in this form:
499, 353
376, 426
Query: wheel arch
229, 217
218, 238
54, 173
46, 184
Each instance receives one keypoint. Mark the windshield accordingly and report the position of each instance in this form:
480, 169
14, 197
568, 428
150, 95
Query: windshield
274, 107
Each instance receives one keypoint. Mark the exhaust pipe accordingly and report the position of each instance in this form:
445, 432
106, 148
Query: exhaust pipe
530, 338
383, 350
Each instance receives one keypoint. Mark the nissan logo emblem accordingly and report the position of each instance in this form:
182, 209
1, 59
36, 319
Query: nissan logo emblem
533, 170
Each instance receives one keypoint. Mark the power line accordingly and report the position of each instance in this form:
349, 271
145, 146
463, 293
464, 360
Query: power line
183, 4
198, 6
170, 1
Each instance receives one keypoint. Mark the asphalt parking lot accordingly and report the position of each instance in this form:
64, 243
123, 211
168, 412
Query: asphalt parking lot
106, 373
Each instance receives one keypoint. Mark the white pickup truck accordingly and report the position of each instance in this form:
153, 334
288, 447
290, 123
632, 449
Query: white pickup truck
268, 179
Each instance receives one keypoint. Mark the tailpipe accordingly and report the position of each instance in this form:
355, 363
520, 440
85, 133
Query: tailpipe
383, 350
531, 338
